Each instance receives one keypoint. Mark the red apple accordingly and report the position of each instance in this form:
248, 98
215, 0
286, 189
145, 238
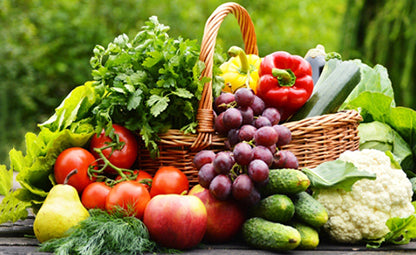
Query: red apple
176, 221
225, 218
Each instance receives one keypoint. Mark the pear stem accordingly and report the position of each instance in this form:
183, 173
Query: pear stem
70, 174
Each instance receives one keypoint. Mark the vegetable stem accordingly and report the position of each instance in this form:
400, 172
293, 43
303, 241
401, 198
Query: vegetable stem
286, 77
236, 51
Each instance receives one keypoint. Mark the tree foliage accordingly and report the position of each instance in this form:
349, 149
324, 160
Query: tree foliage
47, 45
383, 32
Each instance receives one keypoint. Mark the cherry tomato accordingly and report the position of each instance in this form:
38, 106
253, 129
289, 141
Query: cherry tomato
123, 158
129, 195
95, 195
70, 159
169, 180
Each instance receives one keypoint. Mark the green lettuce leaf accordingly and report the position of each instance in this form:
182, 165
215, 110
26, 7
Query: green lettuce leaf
6, 180
337, 174
13, 209
75, 107
380, 136
35, 168
374, 80
375, 106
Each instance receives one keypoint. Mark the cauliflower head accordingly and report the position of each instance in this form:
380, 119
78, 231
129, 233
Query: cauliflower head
361, 213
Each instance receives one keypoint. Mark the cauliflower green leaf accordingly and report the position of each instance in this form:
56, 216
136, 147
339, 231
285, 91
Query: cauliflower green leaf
336, 174
402, 231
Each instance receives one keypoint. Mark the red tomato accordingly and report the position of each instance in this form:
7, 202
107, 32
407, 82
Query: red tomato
169, 180
145, 177
129, 195
142, 176
70, 159
95, 195
123, 158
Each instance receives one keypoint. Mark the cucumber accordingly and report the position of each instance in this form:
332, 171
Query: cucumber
276, 208
331, 89
309, 236
308, 210
267, 235
285, 181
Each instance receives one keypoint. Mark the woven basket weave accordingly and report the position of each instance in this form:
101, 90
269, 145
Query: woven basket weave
315, 140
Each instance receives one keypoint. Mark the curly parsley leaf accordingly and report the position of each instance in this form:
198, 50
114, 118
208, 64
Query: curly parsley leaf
147, 81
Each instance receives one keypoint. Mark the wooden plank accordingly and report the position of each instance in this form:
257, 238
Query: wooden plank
18, 238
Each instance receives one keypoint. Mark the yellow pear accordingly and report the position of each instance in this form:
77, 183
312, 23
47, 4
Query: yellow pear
61, 210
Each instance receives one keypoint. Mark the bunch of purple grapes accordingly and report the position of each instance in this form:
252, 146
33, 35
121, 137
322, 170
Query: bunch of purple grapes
253, 140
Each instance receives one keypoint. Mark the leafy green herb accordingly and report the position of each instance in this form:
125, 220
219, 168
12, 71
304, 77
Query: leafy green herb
103, 233
149, 83
337, 174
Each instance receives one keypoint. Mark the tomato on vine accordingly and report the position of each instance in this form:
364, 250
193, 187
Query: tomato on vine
121, 150
138, 175
132, 196
95, 195
74, 158
169, 180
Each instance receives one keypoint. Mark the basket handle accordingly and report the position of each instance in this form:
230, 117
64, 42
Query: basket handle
205, 116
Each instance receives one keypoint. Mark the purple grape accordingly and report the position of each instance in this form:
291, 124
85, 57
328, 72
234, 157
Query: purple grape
285, 136
272, 114
223, 162
266, 136
206, 174
246, 132
203, 157
223, 101
233, 137
244, 97
273, 148
263, 153
243, 153
220, 187
262, 121
258, 105
258, 171
232, 118
242, 187
279, 160
247, 113
252, 199
219, 124
291, 160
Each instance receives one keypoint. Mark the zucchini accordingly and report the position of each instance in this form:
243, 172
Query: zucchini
331, 90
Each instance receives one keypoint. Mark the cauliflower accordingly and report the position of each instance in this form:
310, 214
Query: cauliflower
361, 214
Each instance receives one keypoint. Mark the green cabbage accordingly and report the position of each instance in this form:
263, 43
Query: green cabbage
380, 136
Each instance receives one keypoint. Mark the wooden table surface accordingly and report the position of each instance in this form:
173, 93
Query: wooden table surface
18, 238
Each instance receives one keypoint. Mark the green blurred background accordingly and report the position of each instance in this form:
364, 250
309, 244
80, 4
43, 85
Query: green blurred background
46, 45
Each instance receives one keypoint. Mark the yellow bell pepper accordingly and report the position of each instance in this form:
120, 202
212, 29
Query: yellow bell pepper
240, 70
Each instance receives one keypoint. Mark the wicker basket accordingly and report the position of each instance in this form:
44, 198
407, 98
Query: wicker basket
323, 138
315, 140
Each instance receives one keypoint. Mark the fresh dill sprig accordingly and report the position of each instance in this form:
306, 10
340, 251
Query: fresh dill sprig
104, 233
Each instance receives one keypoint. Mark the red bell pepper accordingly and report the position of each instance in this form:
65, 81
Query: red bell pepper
285, 82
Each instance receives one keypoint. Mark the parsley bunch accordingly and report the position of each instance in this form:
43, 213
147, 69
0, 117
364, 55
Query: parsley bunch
150, 83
